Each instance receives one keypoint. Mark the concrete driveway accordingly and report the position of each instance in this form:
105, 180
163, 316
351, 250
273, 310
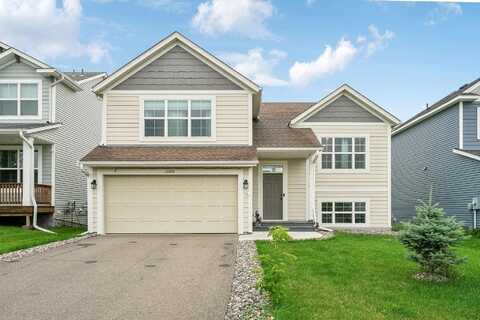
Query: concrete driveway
122, 277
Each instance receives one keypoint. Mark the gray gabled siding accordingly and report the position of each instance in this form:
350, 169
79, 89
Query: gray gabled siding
455, 178
80, 115
470, 140
177, 70
343, 109
23, 71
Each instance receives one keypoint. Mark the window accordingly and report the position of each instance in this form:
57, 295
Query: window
11, 165
344, 212
344, 153
177, 118
20, 98
478, 123
272, 168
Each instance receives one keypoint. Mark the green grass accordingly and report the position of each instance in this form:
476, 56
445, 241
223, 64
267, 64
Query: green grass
368, 277
16, 238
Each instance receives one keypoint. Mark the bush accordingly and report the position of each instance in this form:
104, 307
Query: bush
274, 274
279, 234
430, 237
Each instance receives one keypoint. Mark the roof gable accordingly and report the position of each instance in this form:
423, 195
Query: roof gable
359, 100
467, 92
163, 47
12, 55
343, 109
177, 69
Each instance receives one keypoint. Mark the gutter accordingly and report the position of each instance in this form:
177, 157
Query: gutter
32, 193
144, 164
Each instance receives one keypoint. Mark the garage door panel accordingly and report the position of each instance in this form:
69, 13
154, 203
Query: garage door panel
171, 204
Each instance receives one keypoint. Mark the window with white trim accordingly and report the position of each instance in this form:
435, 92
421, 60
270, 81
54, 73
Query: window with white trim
11, 165
344, 153
343, 212
177, 118
478, 123
20, 98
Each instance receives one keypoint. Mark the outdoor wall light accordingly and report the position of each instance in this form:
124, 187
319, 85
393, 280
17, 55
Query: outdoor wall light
93, 184
245, 184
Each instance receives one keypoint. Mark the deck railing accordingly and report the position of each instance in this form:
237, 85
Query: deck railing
12, 193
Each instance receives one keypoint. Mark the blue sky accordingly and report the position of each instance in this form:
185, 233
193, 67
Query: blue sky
399, 54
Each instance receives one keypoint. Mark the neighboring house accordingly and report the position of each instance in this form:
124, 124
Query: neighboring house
48, 121
189, 147
439, 150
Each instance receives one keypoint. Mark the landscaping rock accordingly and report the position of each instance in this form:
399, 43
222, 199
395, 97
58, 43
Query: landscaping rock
19, 254
247, 302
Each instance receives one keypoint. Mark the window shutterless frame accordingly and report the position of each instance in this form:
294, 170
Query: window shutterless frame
18, 149
177, 139
353, 152
352, 212
19, 99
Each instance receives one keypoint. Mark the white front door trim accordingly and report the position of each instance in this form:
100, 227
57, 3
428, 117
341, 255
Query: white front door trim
284, 164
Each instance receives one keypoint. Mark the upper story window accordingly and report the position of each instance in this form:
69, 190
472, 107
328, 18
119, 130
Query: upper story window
344, 153
20, 98
177, 118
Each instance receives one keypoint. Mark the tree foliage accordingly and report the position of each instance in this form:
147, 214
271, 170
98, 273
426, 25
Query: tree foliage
430, 238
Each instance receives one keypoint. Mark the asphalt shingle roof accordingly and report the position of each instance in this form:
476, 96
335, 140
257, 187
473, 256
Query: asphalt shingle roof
79, 76
271, 129
171, 153
454, 94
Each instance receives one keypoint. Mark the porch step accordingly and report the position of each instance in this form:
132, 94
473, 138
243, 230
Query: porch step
290, 225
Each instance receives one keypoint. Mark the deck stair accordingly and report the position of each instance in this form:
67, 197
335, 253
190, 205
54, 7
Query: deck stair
301, 226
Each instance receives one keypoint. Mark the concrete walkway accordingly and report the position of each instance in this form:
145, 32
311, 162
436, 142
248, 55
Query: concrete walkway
122, 277
296, 235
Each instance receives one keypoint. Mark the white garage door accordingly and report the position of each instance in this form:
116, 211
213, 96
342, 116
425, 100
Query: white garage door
170, 204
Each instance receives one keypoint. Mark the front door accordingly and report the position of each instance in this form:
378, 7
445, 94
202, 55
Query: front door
273, 196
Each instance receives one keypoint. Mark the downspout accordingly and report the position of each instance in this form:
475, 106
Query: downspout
32, 194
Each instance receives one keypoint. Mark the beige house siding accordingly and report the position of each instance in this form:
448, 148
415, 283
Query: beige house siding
123, 119
372, 185
297, 191
296, 188
96, 194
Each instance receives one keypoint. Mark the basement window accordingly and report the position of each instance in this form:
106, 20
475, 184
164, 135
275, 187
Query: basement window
343, 212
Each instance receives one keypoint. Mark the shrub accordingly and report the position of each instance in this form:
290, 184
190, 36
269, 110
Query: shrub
430, 237
275, 269
279, 234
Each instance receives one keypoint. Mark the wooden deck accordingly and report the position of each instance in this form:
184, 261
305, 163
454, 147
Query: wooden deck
12, 211
11, 195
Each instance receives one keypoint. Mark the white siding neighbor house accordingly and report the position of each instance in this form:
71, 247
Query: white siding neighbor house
48, 121
188, 147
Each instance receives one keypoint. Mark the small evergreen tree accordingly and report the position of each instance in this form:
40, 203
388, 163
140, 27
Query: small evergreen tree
430, 237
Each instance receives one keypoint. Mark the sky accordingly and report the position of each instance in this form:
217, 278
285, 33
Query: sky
400, 54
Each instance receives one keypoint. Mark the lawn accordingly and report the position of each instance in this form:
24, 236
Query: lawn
16, 238
367, 277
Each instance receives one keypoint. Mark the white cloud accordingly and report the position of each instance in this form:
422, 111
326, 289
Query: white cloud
246, 17
442, 12
47, 31
379, 41
168, 5
258, 65
329, 62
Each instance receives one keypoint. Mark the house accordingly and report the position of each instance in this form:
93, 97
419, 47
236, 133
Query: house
48, 121
189, 147
439, 149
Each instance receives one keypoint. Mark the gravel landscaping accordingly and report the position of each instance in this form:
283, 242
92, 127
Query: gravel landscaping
19, 254
247, 302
